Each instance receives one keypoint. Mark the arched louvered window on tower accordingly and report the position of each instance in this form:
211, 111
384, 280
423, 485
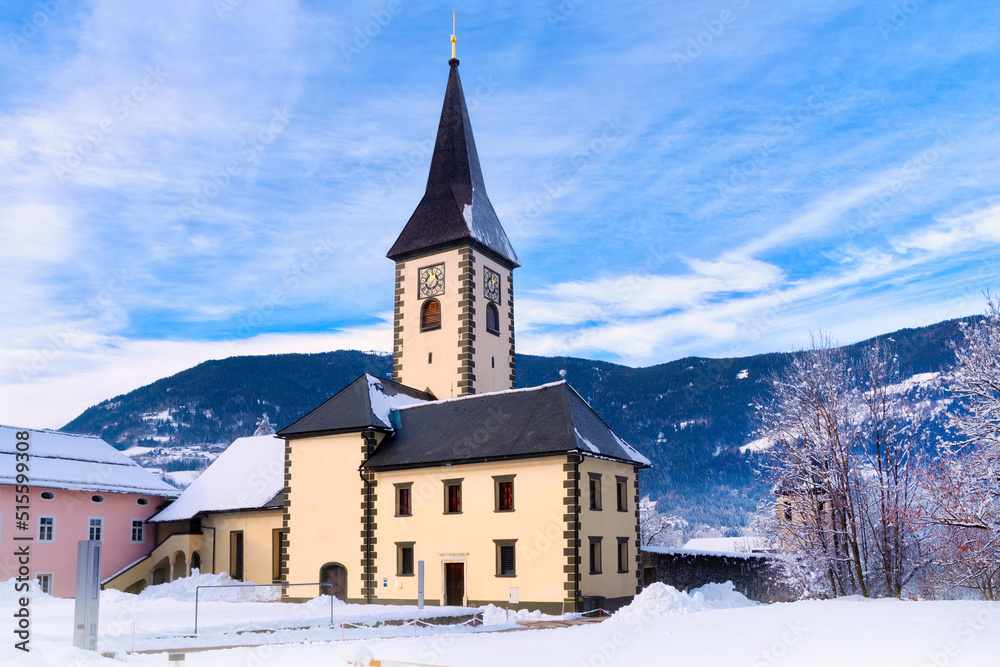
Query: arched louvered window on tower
430, 315
492, 319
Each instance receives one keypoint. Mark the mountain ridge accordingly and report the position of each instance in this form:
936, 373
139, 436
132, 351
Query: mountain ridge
690, 416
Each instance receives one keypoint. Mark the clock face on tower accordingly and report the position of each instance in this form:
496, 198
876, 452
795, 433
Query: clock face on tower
431, 281
491, 285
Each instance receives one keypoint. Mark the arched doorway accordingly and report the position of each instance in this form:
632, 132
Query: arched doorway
334, 581
160, 573
196, 561
137, 587
180, 566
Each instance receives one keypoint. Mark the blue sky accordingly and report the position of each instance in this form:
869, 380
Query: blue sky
191, 180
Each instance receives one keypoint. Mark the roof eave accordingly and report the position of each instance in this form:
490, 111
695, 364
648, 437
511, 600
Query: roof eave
298, 435
442, 463
470, 240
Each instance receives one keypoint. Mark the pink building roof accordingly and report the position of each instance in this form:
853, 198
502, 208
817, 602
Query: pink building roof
77, 462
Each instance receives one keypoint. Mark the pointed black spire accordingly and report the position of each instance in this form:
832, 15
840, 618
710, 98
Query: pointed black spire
454, 206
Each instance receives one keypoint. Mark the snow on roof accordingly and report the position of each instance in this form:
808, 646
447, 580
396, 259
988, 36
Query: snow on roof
674, 551
246, 476
748, 544
382, 403
76, 463
630, 451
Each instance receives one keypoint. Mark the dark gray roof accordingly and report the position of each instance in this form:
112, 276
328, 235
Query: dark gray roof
517, 423
454, 207
363, 404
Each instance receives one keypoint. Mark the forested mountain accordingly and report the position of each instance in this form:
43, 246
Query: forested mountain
690, 416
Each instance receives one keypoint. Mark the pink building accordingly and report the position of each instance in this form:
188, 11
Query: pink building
78, 488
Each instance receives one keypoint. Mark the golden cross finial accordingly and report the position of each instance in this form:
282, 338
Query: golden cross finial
453, 40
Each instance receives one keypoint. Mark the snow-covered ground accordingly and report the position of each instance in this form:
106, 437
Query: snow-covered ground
710, 626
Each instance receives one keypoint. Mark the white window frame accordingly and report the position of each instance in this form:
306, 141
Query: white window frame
142, 531
53, 537
90, 527
51, 581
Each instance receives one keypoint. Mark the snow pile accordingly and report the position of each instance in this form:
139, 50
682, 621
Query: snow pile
494, 615
9, 595
659, 599
184, 589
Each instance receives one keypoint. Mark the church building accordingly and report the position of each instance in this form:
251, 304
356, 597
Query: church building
520, 497
508, 496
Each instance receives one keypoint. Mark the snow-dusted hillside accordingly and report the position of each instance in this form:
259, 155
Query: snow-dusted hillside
692, 417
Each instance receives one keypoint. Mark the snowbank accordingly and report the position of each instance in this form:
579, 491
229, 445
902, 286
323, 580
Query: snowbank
9, 595
184, 590
659, 599
494, 615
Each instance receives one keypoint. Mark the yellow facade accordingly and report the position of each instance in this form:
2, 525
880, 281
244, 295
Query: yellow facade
611, 525
182, 547
429, 359
438, 537
257, 528
324, 493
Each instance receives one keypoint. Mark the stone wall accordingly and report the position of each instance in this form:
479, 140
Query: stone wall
751, 574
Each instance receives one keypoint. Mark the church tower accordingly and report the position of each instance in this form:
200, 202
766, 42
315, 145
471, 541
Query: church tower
454, 300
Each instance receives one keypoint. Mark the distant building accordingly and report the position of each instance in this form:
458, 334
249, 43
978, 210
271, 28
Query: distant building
78, 488
227, 520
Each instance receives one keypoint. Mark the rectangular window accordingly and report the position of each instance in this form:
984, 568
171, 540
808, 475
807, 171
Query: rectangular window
236, 555
44, 582
95, 529
404, 506
505, 558
595, 491
622, 486
276, 554
46, 529
506, 490
623, 554
503, 492
404, 559
595, 555
452, 496
138, 531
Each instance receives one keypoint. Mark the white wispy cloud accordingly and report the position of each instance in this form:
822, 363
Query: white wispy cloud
248, 167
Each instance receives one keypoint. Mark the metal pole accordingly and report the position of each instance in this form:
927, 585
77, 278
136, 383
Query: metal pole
420, 584
331, 608
197, 589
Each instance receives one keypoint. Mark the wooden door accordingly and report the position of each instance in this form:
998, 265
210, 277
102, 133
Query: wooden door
454, 584
334, 578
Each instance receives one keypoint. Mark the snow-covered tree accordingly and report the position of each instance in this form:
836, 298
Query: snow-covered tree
841, 467
888, 490
658, 530
264, 426
964, 486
